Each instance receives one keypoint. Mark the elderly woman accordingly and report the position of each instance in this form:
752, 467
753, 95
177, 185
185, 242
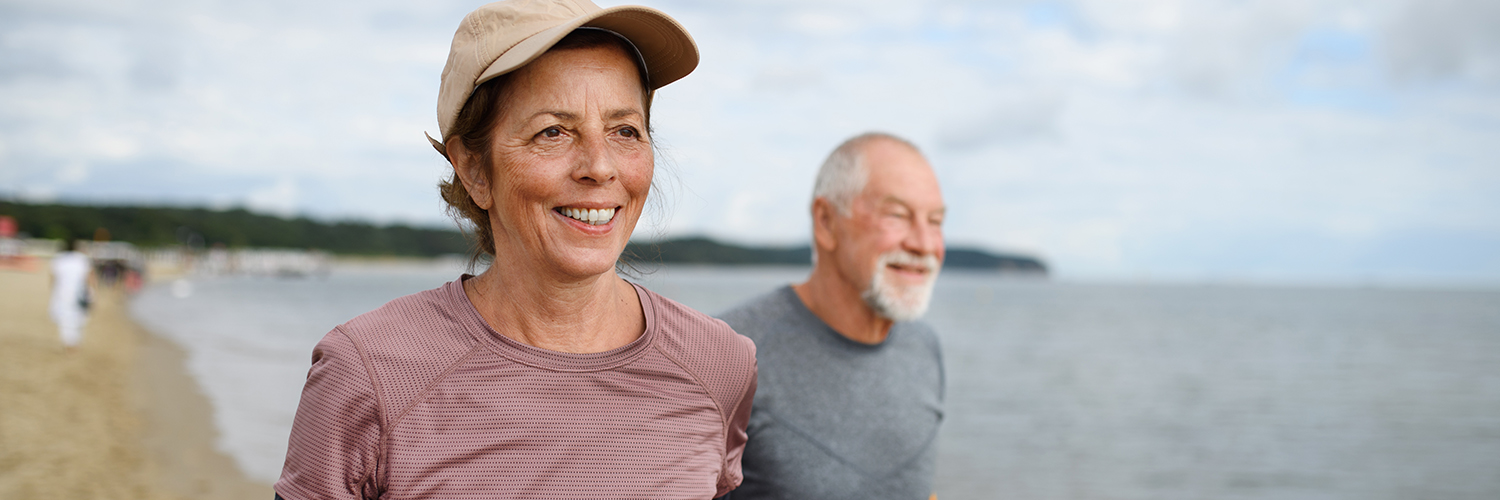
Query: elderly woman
546, 376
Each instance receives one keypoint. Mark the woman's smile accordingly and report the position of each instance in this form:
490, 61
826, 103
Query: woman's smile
590, 216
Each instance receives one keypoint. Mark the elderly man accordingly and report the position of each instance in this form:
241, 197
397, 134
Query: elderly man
851, 387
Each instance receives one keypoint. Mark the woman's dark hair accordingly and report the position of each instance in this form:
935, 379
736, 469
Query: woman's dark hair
476, 123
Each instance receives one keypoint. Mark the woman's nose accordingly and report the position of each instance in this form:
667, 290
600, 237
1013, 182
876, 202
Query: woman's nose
595, 163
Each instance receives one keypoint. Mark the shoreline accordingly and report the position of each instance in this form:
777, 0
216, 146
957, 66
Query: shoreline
118, 417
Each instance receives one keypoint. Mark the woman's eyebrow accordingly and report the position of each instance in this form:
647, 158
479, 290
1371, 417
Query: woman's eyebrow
564, 116
571, 116
561, 115
623, 113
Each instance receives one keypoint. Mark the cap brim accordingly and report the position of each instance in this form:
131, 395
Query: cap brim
667, 48
441, 148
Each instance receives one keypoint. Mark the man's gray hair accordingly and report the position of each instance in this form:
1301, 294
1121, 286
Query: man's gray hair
844, 175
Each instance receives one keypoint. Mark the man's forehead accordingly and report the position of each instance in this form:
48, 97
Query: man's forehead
892, 199
898, 173
881, 147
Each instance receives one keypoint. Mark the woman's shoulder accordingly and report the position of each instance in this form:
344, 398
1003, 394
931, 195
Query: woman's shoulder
405, 344
703, 344
424, 324
682, 324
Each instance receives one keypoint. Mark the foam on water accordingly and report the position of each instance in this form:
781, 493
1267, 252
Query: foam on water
1055, 391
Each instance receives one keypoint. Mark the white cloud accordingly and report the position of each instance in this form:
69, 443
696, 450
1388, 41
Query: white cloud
1446, 39
1105, 141
280, 198
38, 194
1115, 138
822, 23
73, 173
1014, 115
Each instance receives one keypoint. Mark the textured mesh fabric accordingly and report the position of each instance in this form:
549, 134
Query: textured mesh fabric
421, 399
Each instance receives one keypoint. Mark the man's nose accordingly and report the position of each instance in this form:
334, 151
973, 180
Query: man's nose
925, 238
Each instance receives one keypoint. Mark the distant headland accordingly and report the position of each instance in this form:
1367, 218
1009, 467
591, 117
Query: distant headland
700, 250
154, 227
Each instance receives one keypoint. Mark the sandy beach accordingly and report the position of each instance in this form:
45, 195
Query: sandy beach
118, 417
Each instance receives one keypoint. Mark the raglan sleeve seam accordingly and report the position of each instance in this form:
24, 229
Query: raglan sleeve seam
317, 446
382, 421
735, 432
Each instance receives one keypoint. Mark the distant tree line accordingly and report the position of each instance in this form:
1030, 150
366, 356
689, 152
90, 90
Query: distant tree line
234, 228
240, 228
707, 251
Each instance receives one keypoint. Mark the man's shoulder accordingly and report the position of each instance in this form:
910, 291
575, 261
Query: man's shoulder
921, 331
921, 337
765, 314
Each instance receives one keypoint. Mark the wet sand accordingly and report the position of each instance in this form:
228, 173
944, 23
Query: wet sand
118, 417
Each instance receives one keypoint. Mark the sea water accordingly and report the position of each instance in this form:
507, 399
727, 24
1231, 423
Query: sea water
1055, 390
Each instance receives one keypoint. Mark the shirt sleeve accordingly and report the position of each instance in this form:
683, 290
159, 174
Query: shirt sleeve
735, 435
333, 452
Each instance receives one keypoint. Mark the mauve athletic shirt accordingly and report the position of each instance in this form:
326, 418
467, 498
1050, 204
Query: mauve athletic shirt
422, 399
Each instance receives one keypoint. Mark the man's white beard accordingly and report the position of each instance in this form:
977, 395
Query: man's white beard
897, 302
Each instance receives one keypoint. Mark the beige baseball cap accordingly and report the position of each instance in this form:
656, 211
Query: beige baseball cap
500, 37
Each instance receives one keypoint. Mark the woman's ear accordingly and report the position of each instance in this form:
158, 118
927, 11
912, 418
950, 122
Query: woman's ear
471, 171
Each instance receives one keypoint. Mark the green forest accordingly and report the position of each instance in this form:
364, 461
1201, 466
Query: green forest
149, 227
233, 228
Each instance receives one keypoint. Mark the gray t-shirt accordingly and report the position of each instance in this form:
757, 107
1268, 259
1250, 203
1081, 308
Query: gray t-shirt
834, 418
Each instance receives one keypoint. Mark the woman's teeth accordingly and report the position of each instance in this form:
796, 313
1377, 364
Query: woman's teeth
594, 216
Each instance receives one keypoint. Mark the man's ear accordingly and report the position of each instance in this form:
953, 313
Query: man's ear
824, 216
471, 171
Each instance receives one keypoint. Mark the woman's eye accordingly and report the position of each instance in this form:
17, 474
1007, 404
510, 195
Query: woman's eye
551, 132
628, 132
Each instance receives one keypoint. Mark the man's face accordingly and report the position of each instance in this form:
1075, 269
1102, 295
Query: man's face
891, 243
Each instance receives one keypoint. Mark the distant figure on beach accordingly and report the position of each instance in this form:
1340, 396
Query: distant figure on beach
10, 247
851, 385
70, 293
546, 376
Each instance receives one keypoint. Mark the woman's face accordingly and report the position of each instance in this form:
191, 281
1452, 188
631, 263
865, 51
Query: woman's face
571, 162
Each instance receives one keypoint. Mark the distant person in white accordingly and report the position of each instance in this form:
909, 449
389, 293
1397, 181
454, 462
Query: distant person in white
70, 277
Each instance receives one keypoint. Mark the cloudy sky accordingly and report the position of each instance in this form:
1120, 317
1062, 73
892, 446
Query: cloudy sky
1274, 140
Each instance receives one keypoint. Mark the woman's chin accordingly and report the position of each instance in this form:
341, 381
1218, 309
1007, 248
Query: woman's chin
580, 254
585, 262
